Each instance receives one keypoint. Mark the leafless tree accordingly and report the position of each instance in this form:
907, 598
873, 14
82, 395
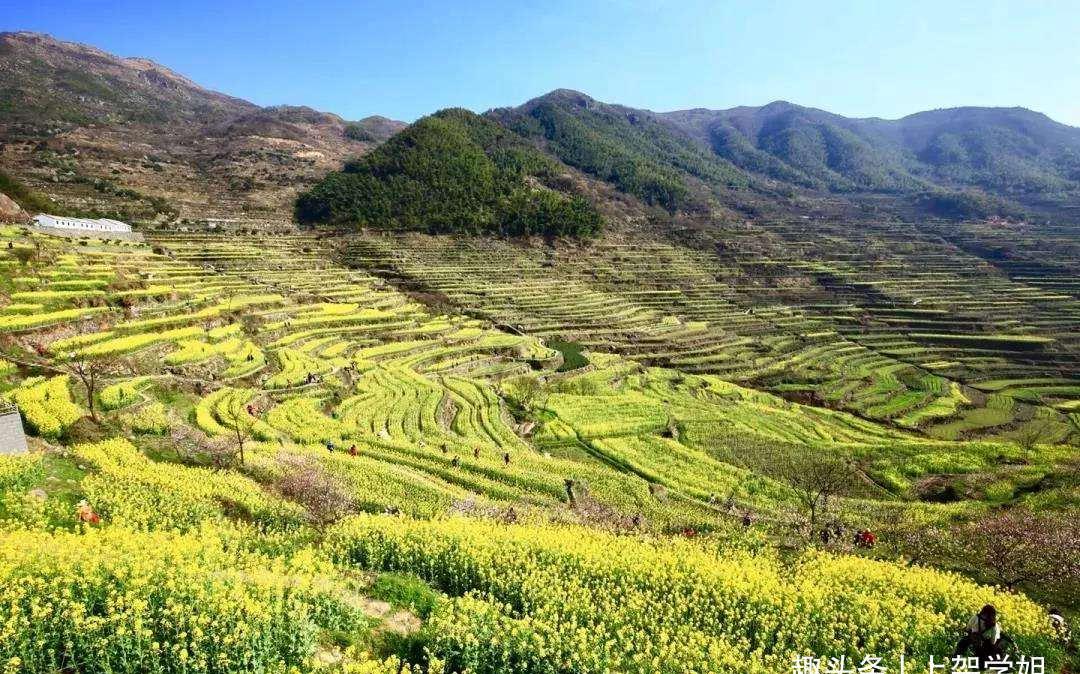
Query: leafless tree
303, 480
89, 370
815, 481
1017, 546
1035, 432
242, 431
250, 324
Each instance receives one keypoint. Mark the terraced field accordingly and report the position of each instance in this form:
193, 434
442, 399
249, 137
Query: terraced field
494, 420
895, 325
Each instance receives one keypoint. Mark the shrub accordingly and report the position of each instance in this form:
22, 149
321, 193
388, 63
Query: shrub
151, 419
406, 591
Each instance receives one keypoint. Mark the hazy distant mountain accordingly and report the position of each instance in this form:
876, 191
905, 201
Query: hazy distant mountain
374, 129
1012, 152
126, 136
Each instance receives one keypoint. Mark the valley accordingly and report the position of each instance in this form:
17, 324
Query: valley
565, 387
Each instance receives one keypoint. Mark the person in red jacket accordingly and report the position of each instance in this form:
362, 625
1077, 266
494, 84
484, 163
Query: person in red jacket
85, 513
865, 539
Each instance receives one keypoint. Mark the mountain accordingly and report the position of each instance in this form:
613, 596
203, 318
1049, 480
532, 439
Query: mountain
375, 128
688, 167
635, 150
1013, 153
782, 158
127, 137
452, 172
47, 82
99, 134
809, 148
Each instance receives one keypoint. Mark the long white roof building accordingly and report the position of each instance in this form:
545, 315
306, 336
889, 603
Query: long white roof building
83, 224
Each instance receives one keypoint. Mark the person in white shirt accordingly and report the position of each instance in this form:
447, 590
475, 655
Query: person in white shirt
984, 636
1061, 628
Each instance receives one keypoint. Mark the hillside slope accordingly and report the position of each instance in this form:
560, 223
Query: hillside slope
1010, 152
783, 159
632, 149
128, 137
333, 452
452, 172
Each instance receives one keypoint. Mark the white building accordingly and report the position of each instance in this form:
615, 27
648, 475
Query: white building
82, 224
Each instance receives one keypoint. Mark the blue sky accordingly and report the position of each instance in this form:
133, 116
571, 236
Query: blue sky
405, 59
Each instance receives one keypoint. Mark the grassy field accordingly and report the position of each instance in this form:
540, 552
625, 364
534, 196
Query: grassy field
583, 460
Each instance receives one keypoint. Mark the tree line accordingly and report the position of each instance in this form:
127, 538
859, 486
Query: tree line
451, 172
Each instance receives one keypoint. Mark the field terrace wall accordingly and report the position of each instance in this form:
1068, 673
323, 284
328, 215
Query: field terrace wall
891, 323
905, 292
208, 325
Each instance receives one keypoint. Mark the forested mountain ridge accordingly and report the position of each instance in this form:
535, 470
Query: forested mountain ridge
633, 149
452, 172
1011, 152
956, 163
